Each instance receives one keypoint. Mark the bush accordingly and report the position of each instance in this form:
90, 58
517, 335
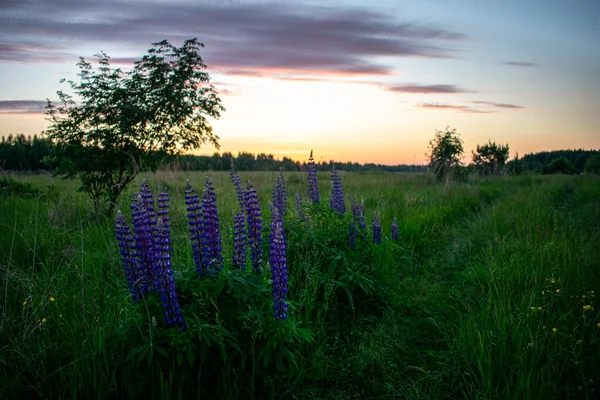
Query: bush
559, 166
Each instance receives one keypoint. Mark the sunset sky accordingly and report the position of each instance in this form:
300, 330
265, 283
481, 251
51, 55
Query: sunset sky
353, 80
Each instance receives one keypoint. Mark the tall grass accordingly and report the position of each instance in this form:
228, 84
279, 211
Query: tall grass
451, 310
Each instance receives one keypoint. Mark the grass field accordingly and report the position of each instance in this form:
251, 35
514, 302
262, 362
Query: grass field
490, 293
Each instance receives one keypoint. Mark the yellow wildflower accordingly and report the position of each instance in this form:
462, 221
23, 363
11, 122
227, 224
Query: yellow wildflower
44, 321
553, 281
583, 297
25, 303
543, 292
554, 330
557, 290
51, 299
588, 307
540, 309
598, 324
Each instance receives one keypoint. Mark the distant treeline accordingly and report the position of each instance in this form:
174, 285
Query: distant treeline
25, 153
535, 162
267, 162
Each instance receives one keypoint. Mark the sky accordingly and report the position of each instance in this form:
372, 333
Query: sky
352, 80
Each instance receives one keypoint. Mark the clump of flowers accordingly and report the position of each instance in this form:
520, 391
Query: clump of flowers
336, 200
278, 262
147, 259
313, 181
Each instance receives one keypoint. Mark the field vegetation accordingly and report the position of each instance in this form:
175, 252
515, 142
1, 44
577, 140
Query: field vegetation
489, 292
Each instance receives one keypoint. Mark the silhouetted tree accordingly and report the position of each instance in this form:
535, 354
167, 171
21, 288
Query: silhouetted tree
490, 158
559, 166
445, 153
123, 121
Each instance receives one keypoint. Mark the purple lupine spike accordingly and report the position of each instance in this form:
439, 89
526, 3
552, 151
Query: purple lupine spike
144, 246
237, 183
279, 273
395, 231
313, 180
194, 210
127, 246
281, 196
239, 241
376, 228
254, 218
166, 283
358, 214
212, 257
299, 206
163, 208
337, 193
148, 201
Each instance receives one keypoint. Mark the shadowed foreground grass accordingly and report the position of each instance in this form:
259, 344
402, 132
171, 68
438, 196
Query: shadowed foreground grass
490, 293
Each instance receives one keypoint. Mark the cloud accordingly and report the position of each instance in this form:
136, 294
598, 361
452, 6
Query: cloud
465, 109
499, 105
22, 106
520, 64
428, 89
240, 36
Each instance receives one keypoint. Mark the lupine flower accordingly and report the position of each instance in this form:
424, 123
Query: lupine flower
148, 202
279, 273
299, 206
212, 257
280, 195
395, 230
376, 228
128, 256
144, 246
313, 181
235, 178
165, 282
358, 213
254, 219
239, 241
163, 208
337, 193
194, 210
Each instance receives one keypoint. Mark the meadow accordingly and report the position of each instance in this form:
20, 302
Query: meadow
490, 292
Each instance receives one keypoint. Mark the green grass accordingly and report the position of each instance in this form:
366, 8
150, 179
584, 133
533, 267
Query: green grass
455, 310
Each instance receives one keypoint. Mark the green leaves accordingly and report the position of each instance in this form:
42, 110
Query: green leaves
126, 121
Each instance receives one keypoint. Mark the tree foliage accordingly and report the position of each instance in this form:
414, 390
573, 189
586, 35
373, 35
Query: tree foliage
559, 166
592, 165
119, 122
445, 153
490, 158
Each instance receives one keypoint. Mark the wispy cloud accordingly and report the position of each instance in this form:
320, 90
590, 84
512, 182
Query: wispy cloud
428, 89
499, 105
22, 106
259, 38
441, 106
520, 64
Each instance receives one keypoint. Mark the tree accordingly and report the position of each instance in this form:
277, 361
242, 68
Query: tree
445, 152
592, 165
490, 158
515, 167
559, 165
123, 122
